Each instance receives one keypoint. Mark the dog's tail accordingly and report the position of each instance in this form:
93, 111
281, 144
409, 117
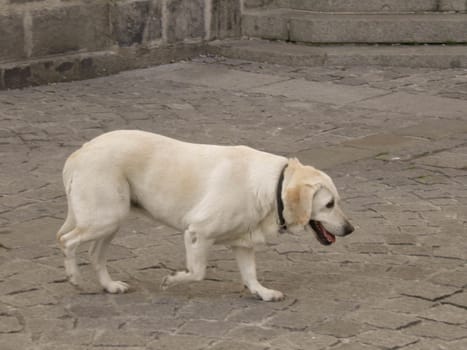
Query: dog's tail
70, 221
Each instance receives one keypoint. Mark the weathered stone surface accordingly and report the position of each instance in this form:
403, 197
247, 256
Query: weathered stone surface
225, 19
259, 25
416, 103
9, 324
445, 313
338, 28
16, 77
185, 20
224, 78
386, 339
437, 330
458, 299
136, 21
319, 92
374, 5
279, 52
397, 282
70, 29
11, 37
426, 290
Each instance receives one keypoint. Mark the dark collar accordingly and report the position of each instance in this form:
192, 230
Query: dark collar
280, 203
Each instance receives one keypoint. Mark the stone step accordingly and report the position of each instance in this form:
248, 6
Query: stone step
416, 56
373, 5
334, 28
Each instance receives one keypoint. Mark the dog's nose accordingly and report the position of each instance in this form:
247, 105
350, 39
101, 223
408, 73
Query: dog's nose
349, 229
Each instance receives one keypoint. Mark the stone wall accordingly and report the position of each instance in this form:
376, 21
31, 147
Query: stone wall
58, 40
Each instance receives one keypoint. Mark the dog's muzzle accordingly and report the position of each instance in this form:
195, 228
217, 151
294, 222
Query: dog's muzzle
324, 236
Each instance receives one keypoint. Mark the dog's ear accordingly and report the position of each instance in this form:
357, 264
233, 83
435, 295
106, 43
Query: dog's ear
299, 203
294, 163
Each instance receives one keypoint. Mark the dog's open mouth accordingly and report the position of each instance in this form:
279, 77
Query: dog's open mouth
324, 237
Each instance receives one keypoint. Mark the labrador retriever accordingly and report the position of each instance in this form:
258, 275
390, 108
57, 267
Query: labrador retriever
231, 195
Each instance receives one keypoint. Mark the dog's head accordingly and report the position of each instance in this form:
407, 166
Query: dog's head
311, 201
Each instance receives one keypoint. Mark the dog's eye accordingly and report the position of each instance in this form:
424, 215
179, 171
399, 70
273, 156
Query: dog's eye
330, 205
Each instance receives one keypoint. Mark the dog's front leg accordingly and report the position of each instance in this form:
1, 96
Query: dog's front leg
197, 248
246, 264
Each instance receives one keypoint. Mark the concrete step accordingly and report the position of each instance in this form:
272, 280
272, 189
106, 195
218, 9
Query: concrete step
416, 56
333, 28
373, 5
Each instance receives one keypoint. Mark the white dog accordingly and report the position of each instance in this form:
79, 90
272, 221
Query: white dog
235, 196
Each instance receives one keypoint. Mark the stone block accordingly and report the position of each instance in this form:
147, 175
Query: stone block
364, 28
403, 102
445, 313
135, 22
367, 5
16, 77
437, 330
386, 339
361, 5
266, 26
453, 5
325, 93
23, 1
184, 20
261, 3
71, 28
11, 37
226, 19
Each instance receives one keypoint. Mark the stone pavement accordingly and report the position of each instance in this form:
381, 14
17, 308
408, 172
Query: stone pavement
394, 140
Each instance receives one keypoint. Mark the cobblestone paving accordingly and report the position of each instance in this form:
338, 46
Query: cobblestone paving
394, 140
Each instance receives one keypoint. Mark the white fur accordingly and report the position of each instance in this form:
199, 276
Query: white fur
214, 194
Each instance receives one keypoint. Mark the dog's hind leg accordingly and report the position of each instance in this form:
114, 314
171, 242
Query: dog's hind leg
71, 265
67, 226
246, 264
97, 255
69, 244
98, 207
100, 237
197, 249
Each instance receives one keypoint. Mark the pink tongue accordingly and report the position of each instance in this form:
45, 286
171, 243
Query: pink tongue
329, 236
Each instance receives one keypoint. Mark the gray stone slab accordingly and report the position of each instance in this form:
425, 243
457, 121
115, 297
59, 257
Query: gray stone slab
459, 300
226, 19
218, 77
11, 36
325, 158
383, 318
445, 313
386, 339
430, 56
405, 262
417, 104
425, 290
325, 92
456, 160
436, 330
310, 27
375, 28
383, 143
133, 22
184, 20
267, 51
71, 28
435, 129
374, 5
261, 25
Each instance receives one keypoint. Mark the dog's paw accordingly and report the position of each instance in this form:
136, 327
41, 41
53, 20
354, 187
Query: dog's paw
74, 278
116, 287
271, 295
165, 284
